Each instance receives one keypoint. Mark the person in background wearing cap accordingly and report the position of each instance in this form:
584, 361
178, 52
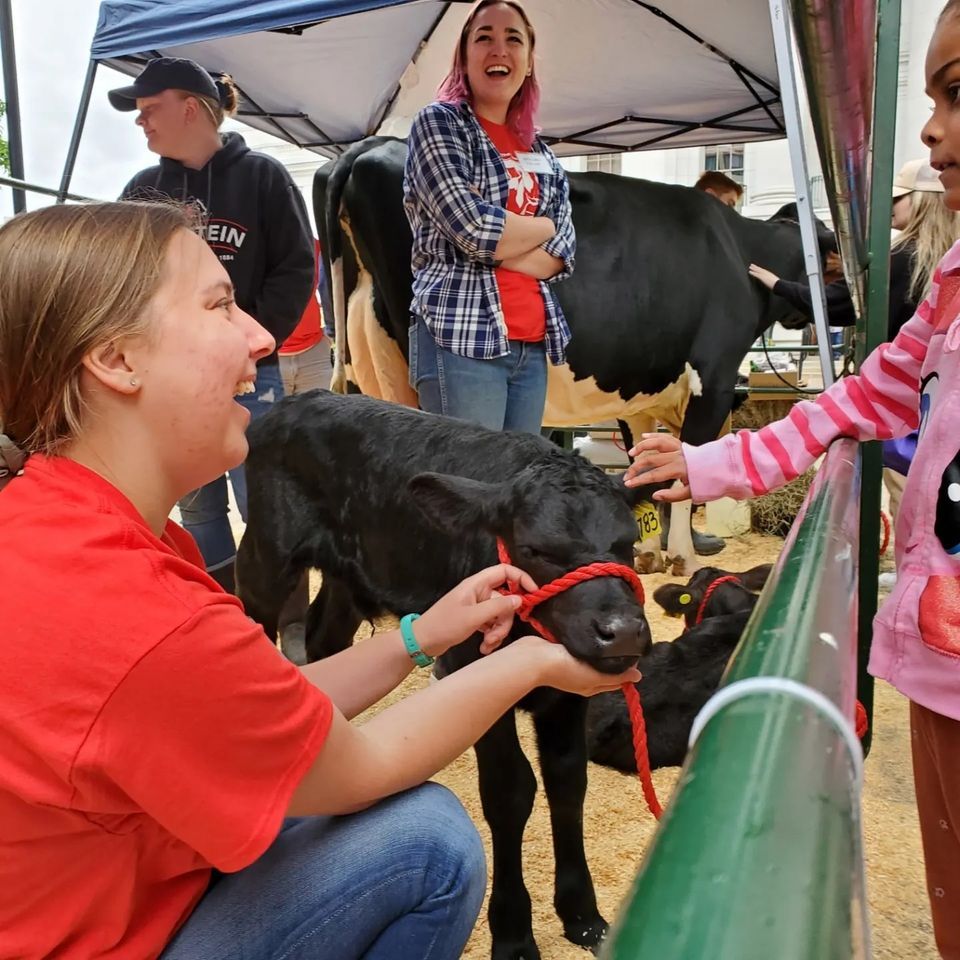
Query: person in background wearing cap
254, 219
928, 229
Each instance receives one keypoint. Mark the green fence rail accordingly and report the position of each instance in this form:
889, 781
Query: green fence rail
759, 853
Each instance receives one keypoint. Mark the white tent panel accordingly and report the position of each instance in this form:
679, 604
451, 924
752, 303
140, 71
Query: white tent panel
615, 74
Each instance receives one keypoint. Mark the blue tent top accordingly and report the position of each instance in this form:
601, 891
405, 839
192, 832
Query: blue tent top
615, 74
128, 27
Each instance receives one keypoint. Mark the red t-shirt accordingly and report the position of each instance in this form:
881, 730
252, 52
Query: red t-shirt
520, 296
309, 331
148, 729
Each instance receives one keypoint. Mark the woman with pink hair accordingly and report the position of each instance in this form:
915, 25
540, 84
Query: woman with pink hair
489, 207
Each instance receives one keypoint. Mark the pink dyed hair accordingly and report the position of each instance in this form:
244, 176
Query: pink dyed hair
521, 115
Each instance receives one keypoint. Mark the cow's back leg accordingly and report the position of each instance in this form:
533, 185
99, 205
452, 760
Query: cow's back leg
265, 577
507, 790
562, 743
332, 620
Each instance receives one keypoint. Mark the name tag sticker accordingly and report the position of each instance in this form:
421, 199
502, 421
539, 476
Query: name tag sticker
534, 163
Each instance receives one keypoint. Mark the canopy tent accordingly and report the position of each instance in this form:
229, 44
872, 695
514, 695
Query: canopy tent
616, 74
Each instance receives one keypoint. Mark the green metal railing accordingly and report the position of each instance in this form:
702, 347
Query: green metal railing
758, 855
872, 329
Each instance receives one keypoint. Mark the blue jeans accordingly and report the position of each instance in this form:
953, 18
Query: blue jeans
505, 393
403, 880
204, 511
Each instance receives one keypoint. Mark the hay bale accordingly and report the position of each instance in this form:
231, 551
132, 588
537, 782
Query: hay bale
756, 413
775, 512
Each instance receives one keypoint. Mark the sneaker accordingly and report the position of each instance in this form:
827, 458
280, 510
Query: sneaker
293, 643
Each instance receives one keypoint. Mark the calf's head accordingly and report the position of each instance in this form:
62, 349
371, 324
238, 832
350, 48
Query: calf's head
683, 600
556, 515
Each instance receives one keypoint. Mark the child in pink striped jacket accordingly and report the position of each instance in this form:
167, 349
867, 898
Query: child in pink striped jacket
913, 381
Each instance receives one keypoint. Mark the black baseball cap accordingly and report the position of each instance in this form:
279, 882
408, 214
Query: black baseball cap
165, 73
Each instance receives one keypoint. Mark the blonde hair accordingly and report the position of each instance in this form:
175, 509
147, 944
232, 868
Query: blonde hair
220, 109
933, 229
73, 278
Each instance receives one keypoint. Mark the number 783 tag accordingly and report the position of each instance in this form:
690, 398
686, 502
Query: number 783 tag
648, 519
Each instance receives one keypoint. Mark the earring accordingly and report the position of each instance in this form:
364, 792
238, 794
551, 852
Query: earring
134, 382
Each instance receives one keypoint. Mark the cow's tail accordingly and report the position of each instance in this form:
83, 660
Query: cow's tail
338, 382
335, 240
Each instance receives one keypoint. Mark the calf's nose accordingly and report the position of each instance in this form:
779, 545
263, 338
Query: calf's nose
622, 636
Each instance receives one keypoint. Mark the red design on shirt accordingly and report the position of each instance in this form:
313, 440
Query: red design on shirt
524, 311
948, 302
940, 614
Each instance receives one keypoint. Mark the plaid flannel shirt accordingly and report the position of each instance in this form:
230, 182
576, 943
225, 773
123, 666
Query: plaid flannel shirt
455, 232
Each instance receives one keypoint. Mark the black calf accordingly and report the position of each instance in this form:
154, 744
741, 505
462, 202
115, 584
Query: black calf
684, 600
678, 679
395, 507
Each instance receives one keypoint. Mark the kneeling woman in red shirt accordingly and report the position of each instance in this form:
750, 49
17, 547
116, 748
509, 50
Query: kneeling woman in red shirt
168, 782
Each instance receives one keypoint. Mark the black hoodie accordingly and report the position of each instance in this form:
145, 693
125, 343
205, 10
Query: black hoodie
840, 309
254, 220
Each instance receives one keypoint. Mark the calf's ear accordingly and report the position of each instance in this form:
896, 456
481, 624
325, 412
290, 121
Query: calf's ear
676, 598
755, 578
642, 494
457, 504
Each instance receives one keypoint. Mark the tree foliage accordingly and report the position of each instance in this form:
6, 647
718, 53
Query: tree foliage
4, 146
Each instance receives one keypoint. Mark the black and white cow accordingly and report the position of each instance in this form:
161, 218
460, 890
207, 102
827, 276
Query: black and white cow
679, 676
395, 507
661, 307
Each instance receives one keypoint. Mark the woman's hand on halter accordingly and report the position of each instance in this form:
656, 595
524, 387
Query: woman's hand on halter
658, 457
475, 604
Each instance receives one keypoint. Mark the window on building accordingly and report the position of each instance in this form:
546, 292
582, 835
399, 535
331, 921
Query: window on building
604, 162
818, 193
725, 158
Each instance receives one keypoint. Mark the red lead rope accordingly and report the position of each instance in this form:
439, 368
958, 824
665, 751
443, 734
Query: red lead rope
581, 574
708, 593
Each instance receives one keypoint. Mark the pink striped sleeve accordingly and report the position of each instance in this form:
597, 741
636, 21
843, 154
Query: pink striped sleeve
880, 402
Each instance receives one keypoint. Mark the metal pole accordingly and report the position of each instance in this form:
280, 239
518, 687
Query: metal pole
12, 97
872, 330
783, 44
47, 191
74, 147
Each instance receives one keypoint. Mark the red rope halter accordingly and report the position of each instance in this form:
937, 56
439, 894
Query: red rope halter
708, 593
589, 572
885, 520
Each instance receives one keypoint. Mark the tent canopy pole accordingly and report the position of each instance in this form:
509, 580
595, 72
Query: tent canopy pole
74, 147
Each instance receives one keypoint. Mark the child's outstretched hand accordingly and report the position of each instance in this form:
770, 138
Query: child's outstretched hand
658, 457
472, 605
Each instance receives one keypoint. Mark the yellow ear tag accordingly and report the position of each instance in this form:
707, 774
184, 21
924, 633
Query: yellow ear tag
685, 598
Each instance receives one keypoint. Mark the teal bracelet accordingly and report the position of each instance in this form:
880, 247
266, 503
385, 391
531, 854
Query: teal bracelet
410, 641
